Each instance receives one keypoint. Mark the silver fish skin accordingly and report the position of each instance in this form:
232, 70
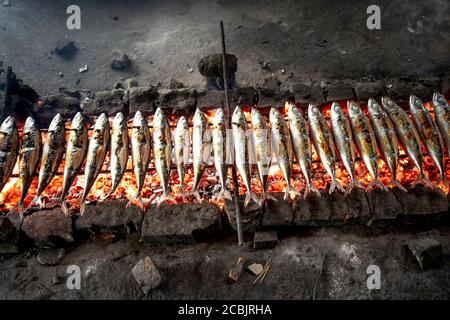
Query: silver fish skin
407, 134
242, 162
76, 150
140, 154
263, 151
387, 142
162, 152
323, 144
428, 132
365, 141
52, 154
442, 118
97, 149
282, 147
9, 148
201, 149
29, 155
219, 143
118, 151
343, 139
182, 146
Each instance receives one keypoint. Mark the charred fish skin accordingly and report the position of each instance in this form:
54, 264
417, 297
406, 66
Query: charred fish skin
201, 149
9, 148
282, 146
219, 143
29, 155
52, 154
263, 150
428, 132
242, 162
118, 151
301, 143
77, 146
162, 151
323, 144
97, 149
140, 154
365, 141
407, 134
442, 118
386, 139
182, 147
343, 139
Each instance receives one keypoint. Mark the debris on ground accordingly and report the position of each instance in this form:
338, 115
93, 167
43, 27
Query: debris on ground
263, 273
147, 275
255, 268
83, 68
236, 271
120, 61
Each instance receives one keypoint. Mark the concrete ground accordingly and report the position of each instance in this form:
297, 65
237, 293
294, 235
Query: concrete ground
316, 40
200, 271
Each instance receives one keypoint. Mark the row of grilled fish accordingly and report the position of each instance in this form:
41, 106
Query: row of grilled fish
285, 140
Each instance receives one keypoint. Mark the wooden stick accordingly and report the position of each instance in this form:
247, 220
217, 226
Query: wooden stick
263, 270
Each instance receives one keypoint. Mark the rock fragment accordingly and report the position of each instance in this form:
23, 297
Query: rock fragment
147, 275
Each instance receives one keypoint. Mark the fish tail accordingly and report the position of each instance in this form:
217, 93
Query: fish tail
224, 194
395, 183
375, 183
65, 208
354, 184
82, 207
196, 195
164, 197
250, 195
36, 201
309, 188
107, 196
19, 207
266, 196
422, 179
335, 185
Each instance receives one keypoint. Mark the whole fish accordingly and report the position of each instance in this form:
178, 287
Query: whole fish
301, 144
201, 149
442, 117
29, 155
407, 134
77, 145
162, 152
365, 141
97, 149
263, 151
240, 138
118, 151
282, 147
323, 143
9, 147
182, 147
140, 154
52, 155
429, 133
343, 139
386, 139
219, 141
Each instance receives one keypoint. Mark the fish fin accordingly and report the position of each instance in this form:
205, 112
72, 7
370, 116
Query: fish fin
107, 195
164, 197
267, 196
422, 180
64, 208
224, 194
335, 185
309, 188
36, 201
395, 183
196, 195
250, 195
354, 184
375, 183
82, 207
137, 197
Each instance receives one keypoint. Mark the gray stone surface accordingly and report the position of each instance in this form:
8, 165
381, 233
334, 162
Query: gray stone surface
179, 101
422, 201
109, 102
56, 103
147, 275
426, 251
308, 92
339, 90
384, 205
141, 99
50, 257
365, 90
265, 240
278, 213
250, 215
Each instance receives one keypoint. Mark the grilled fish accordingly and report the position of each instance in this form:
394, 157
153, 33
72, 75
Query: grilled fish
282, 147
365, 141
140, 154
263, 151
442, 117
407, 134
429, 133
162, 151
240, 138
201, 149
182, 147
9, 147
323, 144
219, 140
343, 139
386, 139
52, 155
97, 149
29, 156
118, 151
77, 145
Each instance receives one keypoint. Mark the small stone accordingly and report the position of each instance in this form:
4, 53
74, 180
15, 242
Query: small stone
236, 271
265, 240
175, 84
50, 257
119, 85
56, 280
283, 71
61, 75
131, 83
6, 3
256, 268
190, 69
120, 61
427, 252
65, 48
83, 68
147, 275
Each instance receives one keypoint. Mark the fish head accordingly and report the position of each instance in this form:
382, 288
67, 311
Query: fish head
138, 120
29, 126
182, 122
373, 107
292, 109
439, 99
313, 111
219, 119
353, 108
8, 125
199, 118
415, 103
100, 125
57, 123
159, 116
336, 111
238, 116
78, 121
